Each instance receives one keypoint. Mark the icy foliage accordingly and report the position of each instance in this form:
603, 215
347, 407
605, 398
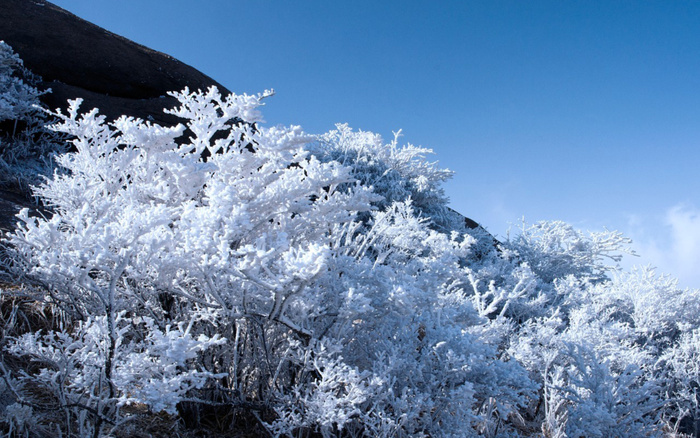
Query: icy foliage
396, 172
321, 286
17, 97
255, 250
556, 250
26, 148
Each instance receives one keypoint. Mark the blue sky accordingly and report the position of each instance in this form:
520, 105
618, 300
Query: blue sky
586, 112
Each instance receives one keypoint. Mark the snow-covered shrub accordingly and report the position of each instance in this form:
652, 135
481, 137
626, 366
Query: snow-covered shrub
591, 385
597, 401
628, 334
644, 320
26, 148
683, 386
140, 221
17, 95
95, 373
438, 377
556, 250
397, 173
238, 237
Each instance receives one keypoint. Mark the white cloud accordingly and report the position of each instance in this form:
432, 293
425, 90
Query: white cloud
671, 243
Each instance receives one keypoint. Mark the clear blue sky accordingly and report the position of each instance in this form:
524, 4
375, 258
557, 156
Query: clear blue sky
587, 112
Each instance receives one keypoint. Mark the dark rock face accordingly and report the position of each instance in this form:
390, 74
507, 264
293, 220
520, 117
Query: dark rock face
76, 58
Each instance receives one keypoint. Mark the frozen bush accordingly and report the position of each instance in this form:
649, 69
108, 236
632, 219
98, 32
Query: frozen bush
556, 250
26, 147
241, 239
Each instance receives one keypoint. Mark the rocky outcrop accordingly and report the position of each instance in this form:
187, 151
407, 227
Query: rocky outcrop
76, 58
